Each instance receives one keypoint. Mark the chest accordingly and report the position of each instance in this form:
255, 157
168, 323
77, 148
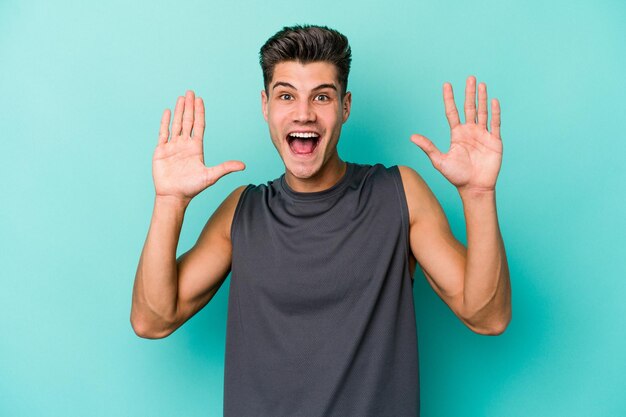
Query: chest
307, 262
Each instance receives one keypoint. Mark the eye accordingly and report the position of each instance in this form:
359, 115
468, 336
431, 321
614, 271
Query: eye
285, 96
322, 97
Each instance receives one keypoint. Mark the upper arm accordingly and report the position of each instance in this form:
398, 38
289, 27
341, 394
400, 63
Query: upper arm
203, 269
440, 255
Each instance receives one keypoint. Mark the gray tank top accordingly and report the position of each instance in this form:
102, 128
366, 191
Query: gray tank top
320, 312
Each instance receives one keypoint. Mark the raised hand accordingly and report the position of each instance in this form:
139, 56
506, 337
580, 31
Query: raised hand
473, 161
178, 166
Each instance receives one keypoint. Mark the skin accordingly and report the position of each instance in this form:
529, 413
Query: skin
473, 281
307, 98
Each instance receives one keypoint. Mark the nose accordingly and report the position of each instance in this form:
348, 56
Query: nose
304, 112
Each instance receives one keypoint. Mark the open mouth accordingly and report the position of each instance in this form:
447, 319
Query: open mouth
303, 143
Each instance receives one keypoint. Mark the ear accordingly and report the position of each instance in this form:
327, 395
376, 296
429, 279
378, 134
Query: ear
264, 104
346, 103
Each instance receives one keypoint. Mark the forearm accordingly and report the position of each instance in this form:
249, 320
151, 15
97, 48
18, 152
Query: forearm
156, 282
486, 290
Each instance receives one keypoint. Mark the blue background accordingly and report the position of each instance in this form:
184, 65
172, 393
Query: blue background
82, 89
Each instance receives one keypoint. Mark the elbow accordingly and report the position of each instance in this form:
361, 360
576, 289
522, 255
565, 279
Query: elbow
147, 330
492, 319
146, 333
493, 328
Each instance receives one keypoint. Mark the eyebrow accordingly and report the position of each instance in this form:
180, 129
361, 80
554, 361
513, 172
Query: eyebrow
319, 87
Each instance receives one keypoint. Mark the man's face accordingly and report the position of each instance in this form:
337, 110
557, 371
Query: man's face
305, 112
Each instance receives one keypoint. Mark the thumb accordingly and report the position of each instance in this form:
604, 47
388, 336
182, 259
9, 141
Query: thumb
215, 173
429, 148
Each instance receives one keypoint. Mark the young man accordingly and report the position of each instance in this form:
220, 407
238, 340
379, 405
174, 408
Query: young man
320, 315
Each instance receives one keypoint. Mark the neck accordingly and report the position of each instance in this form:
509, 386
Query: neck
328, 175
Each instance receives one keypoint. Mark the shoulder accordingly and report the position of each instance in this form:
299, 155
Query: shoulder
232, 200
412, 182
368, 172
410, 177
215, 236
223, 217
421, 202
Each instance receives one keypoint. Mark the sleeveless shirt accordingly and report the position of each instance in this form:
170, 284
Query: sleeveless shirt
321, 319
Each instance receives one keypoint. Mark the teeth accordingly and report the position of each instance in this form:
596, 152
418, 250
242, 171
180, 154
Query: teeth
304, 135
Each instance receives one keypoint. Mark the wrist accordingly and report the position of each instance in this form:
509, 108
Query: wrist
476, 193
171, 202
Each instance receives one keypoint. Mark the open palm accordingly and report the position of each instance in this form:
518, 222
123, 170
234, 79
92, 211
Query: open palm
475, 155
178, 166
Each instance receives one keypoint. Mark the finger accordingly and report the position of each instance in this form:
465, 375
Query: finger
470, 100
164, 132
448, 101
198, 119
178, 117
429, 148
215, 173
482, 105
188, 114
495, 118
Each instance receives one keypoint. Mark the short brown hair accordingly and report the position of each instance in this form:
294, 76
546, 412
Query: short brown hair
306, 44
